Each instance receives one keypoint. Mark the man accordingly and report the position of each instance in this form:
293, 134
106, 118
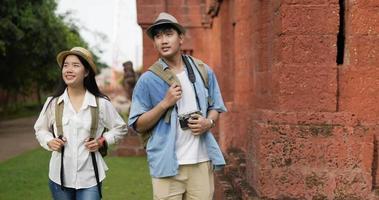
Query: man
181, 159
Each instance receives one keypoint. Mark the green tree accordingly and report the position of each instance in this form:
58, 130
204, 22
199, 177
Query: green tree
31, 35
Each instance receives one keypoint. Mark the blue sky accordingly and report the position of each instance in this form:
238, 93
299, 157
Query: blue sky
114, 19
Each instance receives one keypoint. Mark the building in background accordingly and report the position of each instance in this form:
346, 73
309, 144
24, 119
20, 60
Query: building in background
300, 81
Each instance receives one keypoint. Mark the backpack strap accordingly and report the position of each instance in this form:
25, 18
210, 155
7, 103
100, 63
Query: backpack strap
94, 124
94, 118
58, 117
169, 78
165, 74
58, 122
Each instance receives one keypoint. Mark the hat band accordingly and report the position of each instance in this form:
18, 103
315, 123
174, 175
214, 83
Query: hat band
81, 54
164, 20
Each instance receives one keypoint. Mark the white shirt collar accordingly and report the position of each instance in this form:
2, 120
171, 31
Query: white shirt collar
89, 99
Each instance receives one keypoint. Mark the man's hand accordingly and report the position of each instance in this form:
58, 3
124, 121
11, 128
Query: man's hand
92, 145
199, 124
173, 94
56, 144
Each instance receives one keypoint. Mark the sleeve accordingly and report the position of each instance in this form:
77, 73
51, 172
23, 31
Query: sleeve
116, 126
141, 101
44, 123
216, 103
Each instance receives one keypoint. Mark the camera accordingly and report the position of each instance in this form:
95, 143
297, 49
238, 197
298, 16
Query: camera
183, 119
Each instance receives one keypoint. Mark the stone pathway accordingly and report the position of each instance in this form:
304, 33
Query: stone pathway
16, 137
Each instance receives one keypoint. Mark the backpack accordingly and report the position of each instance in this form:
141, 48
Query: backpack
170, 78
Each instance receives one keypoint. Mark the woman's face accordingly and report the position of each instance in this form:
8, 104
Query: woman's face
73, 71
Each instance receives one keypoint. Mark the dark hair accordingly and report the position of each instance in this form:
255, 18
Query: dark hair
162, 28
89, 82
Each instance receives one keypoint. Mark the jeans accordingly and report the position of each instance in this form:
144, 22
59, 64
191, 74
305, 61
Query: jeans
91, 193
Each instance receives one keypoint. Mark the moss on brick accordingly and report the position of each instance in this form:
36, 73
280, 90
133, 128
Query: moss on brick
313, 181
324, 130
319, 197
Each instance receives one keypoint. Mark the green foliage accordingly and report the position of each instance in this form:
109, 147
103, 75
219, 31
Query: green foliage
26, 177
31, 35
18, 110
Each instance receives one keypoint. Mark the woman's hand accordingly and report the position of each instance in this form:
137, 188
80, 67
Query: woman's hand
92, 145
56, 144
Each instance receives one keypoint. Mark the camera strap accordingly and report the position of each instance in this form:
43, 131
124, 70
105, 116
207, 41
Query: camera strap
191, 77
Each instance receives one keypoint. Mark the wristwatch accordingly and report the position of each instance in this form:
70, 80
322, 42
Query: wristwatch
213, 124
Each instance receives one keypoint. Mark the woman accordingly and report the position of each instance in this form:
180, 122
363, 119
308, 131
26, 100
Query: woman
64, 126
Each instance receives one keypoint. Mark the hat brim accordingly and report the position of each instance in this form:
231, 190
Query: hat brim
62, 55
176, 25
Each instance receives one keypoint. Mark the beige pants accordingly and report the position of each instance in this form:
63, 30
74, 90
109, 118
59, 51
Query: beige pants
193, 182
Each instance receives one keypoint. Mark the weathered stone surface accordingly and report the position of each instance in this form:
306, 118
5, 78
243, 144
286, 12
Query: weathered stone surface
306, 126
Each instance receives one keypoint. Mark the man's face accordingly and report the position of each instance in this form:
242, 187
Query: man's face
168, 43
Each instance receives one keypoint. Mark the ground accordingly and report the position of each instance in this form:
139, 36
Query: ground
17, 136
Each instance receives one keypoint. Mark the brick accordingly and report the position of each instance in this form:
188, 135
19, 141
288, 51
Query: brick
363, 50
131, 141
277, 183
150, 13
126, 152
310, 20
264, 96
358, 92
304, 118
306, 87
365, 3
364, 21
308, 49
309, 2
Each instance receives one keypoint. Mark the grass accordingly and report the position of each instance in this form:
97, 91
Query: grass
26, 177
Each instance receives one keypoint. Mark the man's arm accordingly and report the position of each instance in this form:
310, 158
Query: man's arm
213, 115
147, 120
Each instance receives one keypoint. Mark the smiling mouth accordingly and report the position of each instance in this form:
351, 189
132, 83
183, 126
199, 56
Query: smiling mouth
165, 49
69, 77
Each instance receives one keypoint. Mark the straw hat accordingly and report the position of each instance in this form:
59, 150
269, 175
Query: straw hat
165, 18
78, 51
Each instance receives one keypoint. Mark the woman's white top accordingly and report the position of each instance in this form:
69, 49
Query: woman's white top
78, 168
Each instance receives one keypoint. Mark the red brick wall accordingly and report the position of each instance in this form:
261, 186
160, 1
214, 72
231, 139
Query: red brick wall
359, 91
301, 144
299, 125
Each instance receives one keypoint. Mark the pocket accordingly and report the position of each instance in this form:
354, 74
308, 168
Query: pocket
85, 125
162, 188
65, 121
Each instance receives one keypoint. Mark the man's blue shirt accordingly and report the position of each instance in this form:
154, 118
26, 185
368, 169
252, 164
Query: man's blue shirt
148, 92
